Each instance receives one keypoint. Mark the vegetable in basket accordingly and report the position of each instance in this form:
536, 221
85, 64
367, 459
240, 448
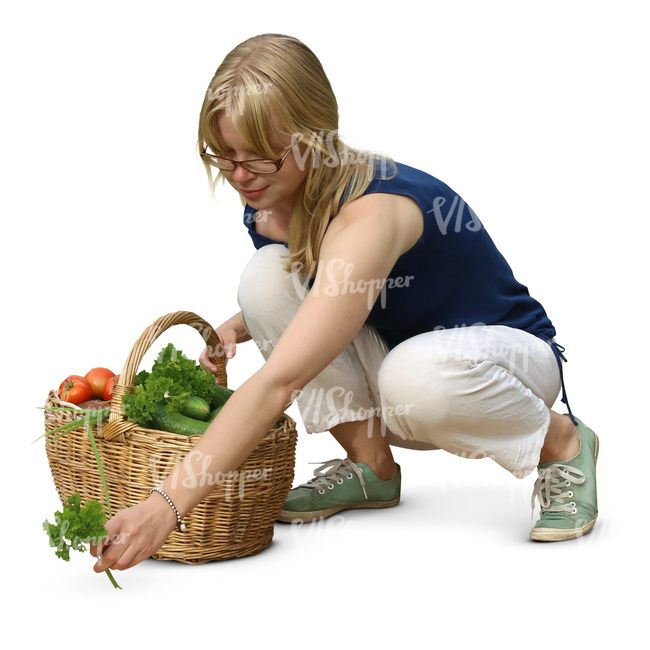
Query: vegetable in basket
75, 389
95, 404
177, 396
162, 420
97, 378
108, 389
196, 408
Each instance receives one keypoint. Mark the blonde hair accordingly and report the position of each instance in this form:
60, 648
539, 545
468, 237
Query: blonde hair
280, 74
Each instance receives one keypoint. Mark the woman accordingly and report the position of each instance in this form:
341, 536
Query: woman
380, 303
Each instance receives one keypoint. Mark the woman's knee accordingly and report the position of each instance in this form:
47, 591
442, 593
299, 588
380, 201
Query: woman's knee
263, 270
264, 284
422, 389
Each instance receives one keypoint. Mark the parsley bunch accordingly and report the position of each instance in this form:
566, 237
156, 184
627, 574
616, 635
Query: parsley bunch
76, 526
79, 525
173, 380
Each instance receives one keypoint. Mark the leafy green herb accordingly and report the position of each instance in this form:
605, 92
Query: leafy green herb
173, 380
76, 523
76, 526
140, 378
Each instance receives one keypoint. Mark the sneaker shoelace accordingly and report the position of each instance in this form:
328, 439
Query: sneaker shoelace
549, 488
332, 471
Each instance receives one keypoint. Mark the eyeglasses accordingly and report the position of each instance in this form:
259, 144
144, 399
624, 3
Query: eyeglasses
255, 166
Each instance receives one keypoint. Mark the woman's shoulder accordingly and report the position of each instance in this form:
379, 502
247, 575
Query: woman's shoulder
373, 209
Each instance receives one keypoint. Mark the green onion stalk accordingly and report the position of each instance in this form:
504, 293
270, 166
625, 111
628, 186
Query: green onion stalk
91, 417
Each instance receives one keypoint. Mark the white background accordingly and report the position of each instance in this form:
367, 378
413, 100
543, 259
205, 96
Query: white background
536, 114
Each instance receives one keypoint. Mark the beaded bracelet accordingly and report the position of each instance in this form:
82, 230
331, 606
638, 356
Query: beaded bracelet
179, 526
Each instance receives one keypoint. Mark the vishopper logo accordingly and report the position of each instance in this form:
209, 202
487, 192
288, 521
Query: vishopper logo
257, 216
479, 342
592, 535
319, 532
344, 156
59, 418
264, 344
234, 91
221, 351
336, 286
155, 460
75, 542
337, 408
477, 454
443, 221
203, 477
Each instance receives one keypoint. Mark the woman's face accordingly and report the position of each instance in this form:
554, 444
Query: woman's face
280, 186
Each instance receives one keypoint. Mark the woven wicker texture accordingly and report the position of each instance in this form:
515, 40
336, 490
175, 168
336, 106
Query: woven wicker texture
234, 520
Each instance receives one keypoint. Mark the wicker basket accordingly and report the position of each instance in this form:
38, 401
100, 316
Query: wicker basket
234, 520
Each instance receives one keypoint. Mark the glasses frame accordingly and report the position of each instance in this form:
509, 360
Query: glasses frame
278, 163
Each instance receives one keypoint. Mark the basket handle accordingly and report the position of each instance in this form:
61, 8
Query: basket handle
117, 423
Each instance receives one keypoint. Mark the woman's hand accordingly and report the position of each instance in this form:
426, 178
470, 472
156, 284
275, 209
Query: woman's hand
228, 339
134, 534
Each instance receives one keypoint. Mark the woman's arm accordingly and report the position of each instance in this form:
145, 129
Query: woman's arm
242, 423
356, 254
236, 323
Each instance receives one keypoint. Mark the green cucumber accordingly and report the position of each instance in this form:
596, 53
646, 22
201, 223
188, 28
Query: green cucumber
214, 414
176, 422
220, 397
196, 408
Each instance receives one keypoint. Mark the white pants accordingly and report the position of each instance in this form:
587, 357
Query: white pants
480, 391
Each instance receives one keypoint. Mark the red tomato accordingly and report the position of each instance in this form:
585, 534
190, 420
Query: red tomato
75, 389
97, 379
108, 389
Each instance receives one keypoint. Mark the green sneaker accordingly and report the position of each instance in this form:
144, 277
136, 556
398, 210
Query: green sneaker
344, 485
559, 520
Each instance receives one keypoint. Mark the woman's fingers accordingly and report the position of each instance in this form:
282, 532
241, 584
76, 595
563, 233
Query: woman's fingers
124, 557
228, 341
109, 548
114, 555
142, 555
102, 545
204, 359
97, 549
135, 534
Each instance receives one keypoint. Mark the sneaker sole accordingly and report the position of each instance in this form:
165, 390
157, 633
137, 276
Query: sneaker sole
560, 534
307, 517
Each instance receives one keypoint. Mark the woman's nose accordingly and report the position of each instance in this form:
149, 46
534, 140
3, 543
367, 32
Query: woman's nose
241, 175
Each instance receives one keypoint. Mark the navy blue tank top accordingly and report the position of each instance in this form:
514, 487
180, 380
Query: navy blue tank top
454, 275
